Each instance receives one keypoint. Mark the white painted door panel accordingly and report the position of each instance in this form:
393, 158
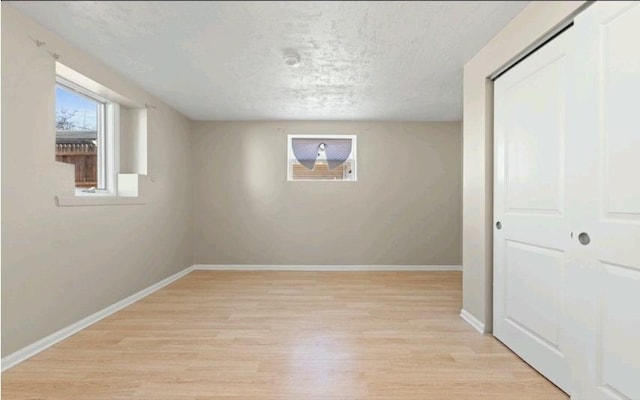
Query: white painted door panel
529, 201
603, 166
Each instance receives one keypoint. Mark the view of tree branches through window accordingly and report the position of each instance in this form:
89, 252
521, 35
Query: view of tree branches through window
77, 124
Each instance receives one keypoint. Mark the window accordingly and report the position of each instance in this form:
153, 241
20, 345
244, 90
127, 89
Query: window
85, 136
322, 158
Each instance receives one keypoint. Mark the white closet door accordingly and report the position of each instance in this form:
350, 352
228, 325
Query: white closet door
603, 166
530, 204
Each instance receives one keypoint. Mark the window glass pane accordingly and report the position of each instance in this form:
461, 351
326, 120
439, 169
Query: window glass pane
317, 158
77, 125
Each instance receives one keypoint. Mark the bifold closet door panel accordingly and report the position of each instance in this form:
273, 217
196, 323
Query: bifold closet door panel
531, 235
603, 169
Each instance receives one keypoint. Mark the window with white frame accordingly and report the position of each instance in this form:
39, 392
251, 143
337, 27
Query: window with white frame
86, 129
322, 158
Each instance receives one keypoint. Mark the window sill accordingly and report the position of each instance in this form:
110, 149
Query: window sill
79, 201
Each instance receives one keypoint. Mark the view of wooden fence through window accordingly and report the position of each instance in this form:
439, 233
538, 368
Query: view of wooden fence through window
84, 157
77, 134
320, 171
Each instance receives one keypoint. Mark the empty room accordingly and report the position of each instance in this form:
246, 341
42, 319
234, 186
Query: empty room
330, 200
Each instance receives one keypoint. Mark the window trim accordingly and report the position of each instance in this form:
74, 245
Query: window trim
107, 131
354, 154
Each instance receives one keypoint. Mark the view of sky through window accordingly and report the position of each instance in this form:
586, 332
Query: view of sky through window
75, 112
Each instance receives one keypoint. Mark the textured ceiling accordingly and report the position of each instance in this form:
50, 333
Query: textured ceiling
225, 60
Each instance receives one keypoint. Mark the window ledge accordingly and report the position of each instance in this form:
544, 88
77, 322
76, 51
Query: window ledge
76, 201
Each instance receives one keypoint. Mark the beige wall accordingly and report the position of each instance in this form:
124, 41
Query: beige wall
525, 29
61, 264
404, 209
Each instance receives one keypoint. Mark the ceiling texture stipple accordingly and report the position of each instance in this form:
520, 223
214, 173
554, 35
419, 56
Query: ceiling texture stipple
397, 61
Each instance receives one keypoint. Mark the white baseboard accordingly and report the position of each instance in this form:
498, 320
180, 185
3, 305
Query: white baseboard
265, 267
19, 356
473, 321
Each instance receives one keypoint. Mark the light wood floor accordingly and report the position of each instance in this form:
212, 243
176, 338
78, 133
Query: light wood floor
284, 335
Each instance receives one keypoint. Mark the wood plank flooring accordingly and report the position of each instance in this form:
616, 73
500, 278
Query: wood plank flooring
284, 335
